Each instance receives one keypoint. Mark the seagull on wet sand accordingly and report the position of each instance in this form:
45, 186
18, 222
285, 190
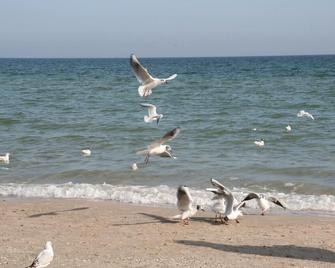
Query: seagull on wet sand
134, 166
259, 143
263, 202
302, 113
229, 211
159, 148
185, 205
44, 258
145, 79
5, 158
152, 114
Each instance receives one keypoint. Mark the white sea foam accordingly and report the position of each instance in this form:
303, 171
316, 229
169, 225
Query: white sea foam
158, 196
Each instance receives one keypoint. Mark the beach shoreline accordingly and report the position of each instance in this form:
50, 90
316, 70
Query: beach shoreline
101, 233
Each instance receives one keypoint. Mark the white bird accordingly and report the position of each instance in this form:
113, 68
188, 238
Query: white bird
288, 128
44, 258
152, 114
5, 158
134, 166
159, 148
86, 152
259, 143
185, 205
263, 202
230, 211
302, 113
145, 79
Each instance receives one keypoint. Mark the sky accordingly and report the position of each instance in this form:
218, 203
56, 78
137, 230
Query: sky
173, 28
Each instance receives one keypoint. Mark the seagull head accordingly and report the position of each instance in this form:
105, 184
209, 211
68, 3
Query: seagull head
48, 244
200, 208
168, 148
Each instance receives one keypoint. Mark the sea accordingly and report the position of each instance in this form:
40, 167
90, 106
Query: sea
51, 109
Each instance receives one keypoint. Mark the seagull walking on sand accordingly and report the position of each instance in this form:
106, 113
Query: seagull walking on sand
259, 143
159, 148
148, 83
288, 128
86, 152
225, 206
263, 202
302, 113
152, 114
185, 205
5, 158
44, 258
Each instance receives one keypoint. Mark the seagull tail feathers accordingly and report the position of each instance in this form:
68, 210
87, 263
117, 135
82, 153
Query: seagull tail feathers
147, 119
141, 91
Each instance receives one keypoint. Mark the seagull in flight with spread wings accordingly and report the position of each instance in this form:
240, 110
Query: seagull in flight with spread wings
159, 148
263, 202
145, 79
152, 113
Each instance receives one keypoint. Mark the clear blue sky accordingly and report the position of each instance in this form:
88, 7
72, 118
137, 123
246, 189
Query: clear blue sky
154, 28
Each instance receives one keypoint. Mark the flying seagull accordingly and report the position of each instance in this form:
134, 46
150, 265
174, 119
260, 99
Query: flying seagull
5, 158
185, 205
145, 79
230, 211
152, 114
159, 148
263, 203
44, 258
302, 113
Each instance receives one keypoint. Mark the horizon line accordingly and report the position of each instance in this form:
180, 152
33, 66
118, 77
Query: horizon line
172, 57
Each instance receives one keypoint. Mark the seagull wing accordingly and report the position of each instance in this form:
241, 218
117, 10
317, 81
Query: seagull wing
140, 72
218, 185
276, 201
184, 199
215, 191
251, 196
151, 109
167, 137
171, 77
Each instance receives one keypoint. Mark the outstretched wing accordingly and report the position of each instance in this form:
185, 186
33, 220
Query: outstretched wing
167, 137
151, 108
276, 201
251, 196
171, 77
184, 198
140, 72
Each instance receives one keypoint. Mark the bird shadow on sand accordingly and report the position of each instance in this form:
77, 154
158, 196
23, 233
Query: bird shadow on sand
165, 220
282, 251
55, 213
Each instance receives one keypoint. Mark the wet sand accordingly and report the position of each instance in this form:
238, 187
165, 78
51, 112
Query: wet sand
90, 233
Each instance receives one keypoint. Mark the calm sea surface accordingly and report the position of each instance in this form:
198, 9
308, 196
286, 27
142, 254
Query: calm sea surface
50, 109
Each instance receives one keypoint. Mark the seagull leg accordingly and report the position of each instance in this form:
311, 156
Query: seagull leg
146, 160
237, 221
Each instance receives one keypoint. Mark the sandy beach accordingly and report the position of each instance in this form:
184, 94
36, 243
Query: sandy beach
89, 233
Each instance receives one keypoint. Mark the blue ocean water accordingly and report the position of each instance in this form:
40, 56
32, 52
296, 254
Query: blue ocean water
50, 109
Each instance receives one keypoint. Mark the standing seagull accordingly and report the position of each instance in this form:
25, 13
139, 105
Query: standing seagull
231, 211
159, 148
263, 203
44, 258
145, 79
185, 205
152, 114
5, 158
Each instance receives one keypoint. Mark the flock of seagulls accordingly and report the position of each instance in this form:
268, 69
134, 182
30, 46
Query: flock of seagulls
225, 205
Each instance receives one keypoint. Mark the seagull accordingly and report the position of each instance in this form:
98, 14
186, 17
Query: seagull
223, 195
259, 143
134, 166
288, 128
159, 148
86, 152
185, 205
145, 79
302, 113
44, 258
263, 203
152, 114
5, 158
